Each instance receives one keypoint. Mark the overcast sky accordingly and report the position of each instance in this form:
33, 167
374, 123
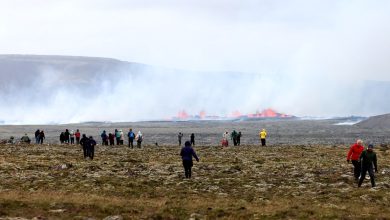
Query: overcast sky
305, 57
300, 37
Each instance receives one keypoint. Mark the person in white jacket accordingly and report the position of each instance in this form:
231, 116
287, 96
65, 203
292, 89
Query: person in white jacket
225, 138
121, 137
139, 137
71, 134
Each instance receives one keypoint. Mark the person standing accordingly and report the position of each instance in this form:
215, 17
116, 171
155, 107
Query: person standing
192, 138
91, 147
104, 137
62, 137
71, 137
77, 135
233, 136
121, 137
239, 138
139, 139
66, 136
85, 143
179, 137
37, 132
353, 155
41, 137
369, 163
117, 137
187, 152
225, 136
263, 135
111, 138
131, 136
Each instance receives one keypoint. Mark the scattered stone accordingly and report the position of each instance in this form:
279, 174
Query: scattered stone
57, 210
114, 217
196, 216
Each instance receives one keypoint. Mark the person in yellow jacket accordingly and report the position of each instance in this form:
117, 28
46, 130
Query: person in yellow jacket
263, 135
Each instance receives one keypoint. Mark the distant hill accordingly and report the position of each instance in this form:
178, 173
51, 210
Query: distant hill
24, 70
27, 78
379, 121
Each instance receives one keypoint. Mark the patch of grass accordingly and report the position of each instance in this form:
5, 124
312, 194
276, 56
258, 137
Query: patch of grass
297, 182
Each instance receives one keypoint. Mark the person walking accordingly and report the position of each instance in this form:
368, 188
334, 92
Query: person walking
85, 143
369, 164
41, 137
187, 152
192, 138
179, 137
131, 137
263, 135
71, 134
91, 147
37, 132
353, 155
77, 135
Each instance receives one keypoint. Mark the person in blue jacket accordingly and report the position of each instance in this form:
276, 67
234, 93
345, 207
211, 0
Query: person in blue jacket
104, 137
187, 152
131, 137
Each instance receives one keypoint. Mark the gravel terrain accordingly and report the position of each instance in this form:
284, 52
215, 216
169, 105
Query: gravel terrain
207, 133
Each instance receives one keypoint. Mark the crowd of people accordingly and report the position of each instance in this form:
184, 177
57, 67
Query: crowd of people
363, 160
234, 136
118, 136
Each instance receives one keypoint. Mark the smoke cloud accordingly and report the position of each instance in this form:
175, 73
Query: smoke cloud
153, 93
300, 57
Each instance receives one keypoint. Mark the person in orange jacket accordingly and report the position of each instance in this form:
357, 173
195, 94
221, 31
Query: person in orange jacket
354, 156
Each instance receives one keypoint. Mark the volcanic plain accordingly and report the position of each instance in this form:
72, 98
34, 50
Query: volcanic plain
301, 174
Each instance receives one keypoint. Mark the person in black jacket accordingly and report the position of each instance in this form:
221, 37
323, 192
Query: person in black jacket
187, 152
41, 137
85, 143
192, 138
66, 136
239, 138
91, 147
62, 137
369, 163
37, 132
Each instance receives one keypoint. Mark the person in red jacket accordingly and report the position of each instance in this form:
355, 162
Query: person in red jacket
77, 134
354, 156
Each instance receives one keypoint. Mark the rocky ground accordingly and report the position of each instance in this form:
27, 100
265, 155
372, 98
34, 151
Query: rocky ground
249, 182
